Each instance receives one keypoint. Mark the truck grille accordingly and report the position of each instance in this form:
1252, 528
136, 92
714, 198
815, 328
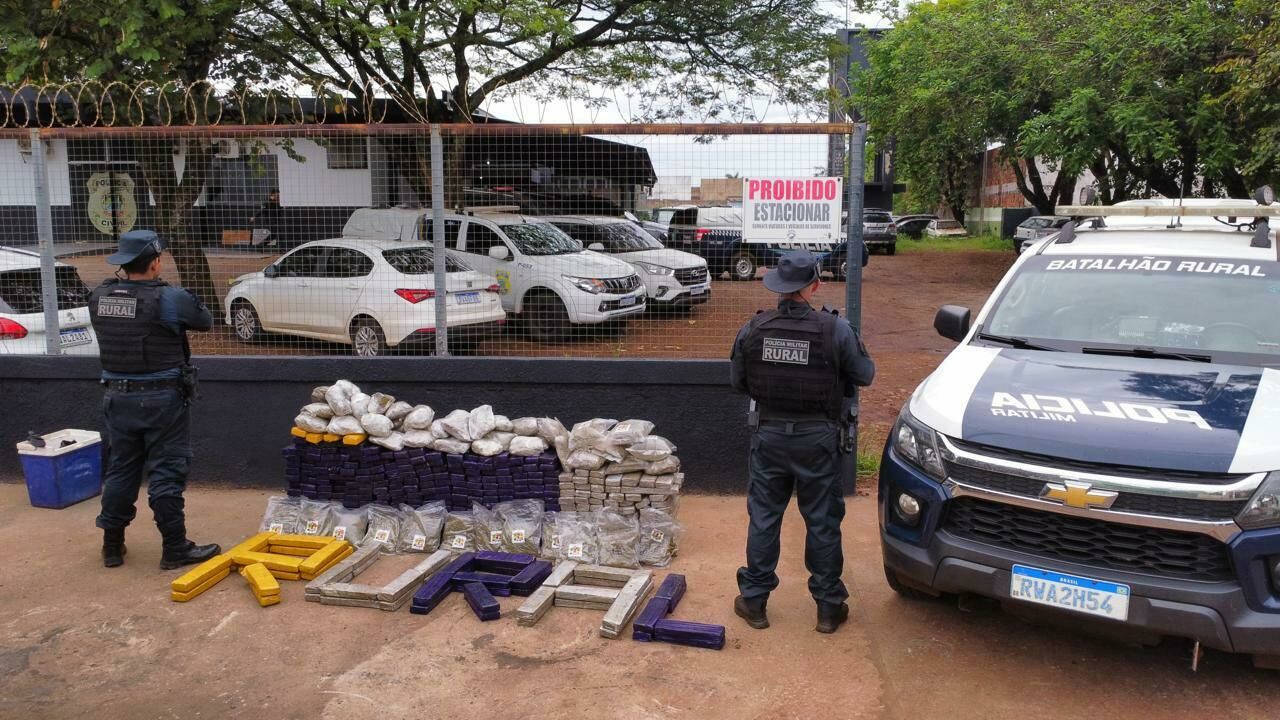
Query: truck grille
692, 276
1186, 508
622, 285
1128, 548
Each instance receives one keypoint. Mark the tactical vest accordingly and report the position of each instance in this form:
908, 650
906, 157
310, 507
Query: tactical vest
131, 338
793, 364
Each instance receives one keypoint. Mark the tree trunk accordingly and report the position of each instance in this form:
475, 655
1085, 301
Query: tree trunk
174, 200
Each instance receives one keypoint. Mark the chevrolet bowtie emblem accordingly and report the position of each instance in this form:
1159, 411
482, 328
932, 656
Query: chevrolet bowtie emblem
1078, 495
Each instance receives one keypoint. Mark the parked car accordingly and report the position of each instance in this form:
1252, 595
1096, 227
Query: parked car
913, 226
879, 231
544, 276
672, 278
372, 294
1036, 227
715, 235
945, 228
658, 226
22, 328
836, 262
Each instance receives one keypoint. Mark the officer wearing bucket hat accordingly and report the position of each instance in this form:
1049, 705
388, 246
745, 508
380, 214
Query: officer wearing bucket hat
141, 323
799, 365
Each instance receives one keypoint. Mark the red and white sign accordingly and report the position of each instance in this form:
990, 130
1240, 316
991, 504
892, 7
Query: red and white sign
791, 210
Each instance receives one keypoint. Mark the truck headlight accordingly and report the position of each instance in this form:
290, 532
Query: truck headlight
655, 269
1263, 510
595, 286
918, 444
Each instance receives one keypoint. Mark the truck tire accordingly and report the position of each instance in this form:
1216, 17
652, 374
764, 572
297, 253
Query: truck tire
842, 270
891, 248
548, 317
742, 266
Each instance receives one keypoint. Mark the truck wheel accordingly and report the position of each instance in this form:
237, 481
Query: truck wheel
742, 267
905, 591
842, 271
548, 318
244, 319
367, 338
891, 248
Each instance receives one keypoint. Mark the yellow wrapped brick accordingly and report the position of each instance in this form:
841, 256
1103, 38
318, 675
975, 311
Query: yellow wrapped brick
286, 550
324, 568
285, 575
298, 432
201, 573
185, 596
260, 579
323, 556
306, 542
254, 543
269, 600
283, 563
354, 439
330, 437
315, 438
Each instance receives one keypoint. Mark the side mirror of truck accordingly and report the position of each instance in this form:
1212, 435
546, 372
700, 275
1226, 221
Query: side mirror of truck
499, 252
952, 322
596, 247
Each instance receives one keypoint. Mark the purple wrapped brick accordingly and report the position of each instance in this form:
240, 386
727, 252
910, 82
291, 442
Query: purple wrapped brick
481, 601
528, 579
499, 585
671, 590
436, 588
657, 609
693, 634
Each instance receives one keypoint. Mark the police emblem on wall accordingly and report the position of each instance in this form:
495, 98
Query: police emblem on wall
111, 206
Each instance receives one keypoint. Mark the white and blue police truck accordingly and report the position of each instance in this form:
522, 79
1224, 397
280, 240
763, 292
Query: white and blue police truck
1105, 440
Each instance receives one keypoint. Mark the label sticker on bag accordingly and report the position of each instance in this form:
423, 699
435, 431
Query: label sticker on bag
313, 527
495, 537
656, 535
381, 535
458, 542
276, 527
555, 542
419, 542
575, 550
340, 533
517, 536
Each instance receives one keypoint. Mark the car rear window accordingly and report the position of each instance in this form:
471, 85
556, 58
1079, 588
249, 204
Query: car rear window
877, 218
20, 290
418, 261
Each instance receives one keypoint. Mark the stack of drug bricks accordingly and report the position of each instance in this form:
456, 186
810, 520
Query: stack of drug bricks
623, 487
362, 474
617, 591
264, 559
337, 586
653, 623
482, 577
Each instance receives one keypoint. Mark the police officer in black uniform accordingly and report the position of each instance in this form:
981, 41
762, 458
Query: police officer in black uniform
800, 365
141, 323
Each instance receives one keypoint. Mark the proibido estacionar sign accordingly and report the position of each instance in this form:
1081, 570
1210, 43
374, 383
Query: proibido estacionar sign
791, 210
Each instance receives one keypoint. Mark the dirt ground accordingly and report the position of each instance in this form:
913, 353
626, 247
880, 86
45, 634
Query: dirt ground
900, 296
78, 640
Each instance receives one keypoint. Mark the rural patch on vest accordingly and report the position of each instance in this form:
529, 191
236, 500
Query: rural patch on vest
781, 350
118, 307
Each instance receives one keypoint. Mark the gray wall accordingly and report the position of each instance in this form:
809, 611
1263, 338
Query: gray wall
248, 404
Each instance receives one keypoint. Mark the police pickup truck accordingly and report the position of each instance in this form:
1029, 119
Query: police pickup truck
1105, 441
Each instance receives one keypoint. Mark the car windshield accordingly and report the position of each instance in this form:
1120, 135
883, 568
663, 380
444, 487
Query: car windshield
1204, 307
623, 237
541, 239
418, 261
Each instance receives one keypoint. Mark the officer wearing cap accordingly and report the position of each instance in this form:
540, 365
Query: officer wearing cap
141, 323
799, 365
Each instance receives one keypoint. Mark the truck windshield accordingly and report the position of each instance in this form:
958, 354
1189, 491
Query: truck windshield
1220, 308
541, 239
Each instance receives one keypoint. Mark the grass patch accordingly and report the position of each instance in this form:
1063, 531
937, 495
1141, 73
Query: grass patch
984, 243
868, 462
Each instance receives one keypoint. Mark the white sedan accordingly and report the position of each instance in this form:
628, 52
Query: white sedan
672, 278
374, 295
22, 327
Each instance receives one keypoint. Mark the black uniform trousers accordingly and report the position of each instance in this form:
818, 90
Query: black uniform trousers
803, 458
150, 437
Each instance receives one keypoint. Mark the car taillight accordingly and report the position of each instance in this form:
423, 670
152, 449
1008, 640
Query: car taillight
415, 296
494, 288
699, 233
10, 330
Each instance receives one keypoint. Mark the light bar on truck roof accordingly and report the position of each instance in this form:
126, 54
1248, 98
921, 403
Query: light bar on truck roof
1167, 211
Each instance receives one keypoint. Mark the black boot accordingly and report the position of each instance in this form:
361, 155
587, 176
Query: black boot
752, 610
113, 549
831, 616
172, 522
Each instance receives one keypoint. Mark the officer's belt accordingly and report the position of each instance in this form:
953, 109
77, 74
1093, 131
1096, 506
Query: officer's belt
127, 386
790, 426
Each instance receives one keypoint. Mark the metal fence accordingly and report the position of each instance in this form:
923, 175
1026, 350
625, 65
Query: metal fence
309, 234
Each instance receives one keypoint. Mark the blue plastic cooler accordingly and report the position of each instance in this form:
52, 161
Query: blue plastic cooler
59, 475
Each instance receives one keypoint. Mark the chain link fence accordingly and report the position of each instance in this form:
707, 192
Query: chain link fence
314, 226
